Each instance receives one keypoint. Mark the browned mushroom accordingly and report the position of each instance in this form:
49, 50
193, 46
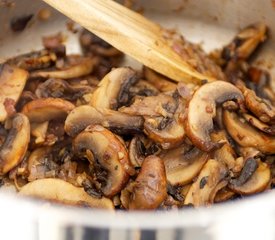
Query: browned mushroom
139, 148
143, 88
225, 153
45, 109
255, 122
113, 89
97, 46
246, 135
167, 131
210, 180
183, 164
244, 44
12, 83
58, 88
149, 189
110, 153
79, 67
83, 116
40, 165
34, 60
152, 106
258, 106
224, 194
60, 191
252, 180
202, 110
16, 143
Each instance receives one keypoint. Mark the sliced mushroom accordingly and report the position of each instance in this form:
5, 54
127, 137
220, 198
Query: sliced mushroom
60, 191
139, 148
244, 44
211, 178
34, 60
58, 88
81, 66
12, 83
255, 122
113, 89
246, 135
152, 106
110, 153
182, 164
39, 131
45, 109
258, 182
258, 106
202, 110
159, 81
83, 116
13, 150
40, 162
224, 194
250, 166
167, 131
225, 153
149, 189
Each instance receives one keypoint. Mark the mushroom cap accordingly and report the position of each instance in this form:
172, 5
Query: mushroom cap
149, 188
110, 153
202, 110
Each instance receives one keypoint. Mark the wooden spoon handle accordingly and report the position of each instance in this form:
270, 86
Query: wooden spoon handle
131, 33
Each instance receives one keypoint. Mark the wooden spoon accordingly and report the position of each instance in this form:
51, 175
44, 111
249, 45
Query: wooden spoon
131, 33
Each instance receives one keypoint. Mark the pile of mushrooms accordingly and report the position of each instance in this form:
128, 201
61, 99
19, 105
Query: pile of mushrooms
79, 130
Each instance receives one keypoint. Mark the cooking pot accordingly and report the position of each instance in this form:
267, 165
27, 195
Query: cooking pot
212, 23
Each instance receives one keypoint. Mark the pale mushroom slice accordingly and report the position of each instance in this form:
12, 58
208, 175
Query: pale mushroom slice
246, 135
210, 180
83, 116
110, 153
46, 109
245, 43
113, 89
12, 83
57, 190
255, 122
148, 191
81, 66
183, 164
13, 150
202, 110
257, 182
